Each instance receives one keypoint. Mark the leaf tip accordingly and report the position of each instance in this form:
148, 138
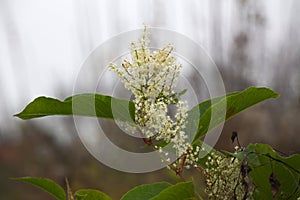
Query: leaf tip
21, 116
18, 115
276, 95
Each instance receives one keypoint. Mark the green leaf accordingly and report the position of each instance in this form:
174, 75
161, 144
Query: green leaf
194, 114
47, 185
264, 161
235, 103
92, 105
145, 192
91, 195
180, 191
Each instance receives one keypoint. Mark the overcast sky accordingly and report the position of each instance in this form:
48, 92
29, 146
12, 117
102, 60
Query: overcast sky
43, 43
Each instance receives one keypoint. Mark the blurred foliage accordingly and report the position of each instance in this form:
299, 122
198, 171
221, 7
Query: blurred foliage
38, 154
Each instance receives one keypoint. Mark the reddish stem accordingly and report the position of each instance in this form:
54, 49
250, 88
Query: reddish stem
180, 169
146, 140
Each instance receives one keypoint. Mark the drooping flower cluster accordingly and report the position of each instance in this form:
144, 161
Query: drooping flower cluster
227, 178
151, 76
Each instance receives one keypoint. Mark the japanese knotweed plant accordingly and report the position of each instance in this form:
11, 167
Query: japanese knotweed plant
253, 172
152, 77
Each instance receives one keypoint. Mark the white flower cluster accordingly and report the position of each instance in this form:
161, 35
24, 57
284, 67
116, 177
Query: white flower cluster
224, 178
151, 77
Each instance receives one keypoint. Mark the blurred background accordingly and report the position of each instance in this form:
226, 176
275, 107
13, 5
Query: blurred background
44, 43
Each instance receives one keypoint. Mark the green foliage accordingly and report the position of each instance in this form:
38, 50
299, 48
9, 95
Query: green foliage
274, 176
91, 195
47, 185
155, 191
180, 191
91, 105
96, 105
145, 192
235, 103
58, 192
